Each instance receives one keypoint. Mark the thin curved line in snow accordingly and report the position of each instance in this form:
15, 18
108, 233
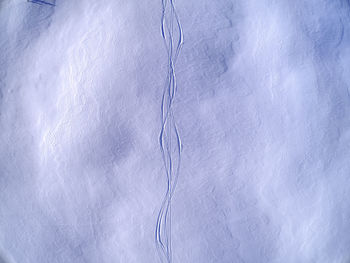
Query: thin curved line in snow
169, 139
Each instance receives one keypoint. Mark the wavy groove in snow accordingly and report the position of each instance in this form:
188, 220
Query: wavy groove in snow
169, 138
40, 2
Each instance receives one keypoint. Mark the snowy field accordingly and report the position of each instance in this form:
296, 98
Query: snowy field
226, 141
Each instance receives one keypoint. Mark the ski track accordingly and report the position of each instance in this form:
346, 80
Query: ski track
169, 139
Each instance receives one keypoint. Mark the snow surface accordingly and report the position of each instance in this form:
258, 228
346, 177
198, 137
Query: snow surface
262, 109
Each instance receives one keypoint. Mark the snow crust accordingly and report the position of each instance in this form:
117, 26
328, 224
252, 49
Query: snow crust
262, 109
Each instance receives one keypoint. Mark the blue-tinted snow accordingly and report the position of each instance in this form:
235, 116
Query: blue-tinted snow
262, 109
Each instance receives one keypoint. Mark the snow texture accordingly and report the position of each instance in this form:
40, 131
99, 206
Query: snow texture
175, 131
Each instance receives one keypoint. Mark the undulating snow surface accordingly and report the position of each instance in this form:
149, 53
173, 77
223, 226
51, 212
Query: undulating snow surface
262, 114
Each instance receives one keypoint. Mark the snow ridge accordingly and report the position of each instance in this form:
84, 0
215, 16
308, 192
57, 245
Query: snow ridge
169, 139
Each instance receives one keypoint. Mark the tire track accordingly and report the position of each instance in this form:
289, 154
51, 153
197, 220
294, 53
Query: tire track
169, 139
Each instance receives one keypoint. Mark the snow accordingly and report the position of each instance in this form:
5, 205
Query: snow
262, 111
